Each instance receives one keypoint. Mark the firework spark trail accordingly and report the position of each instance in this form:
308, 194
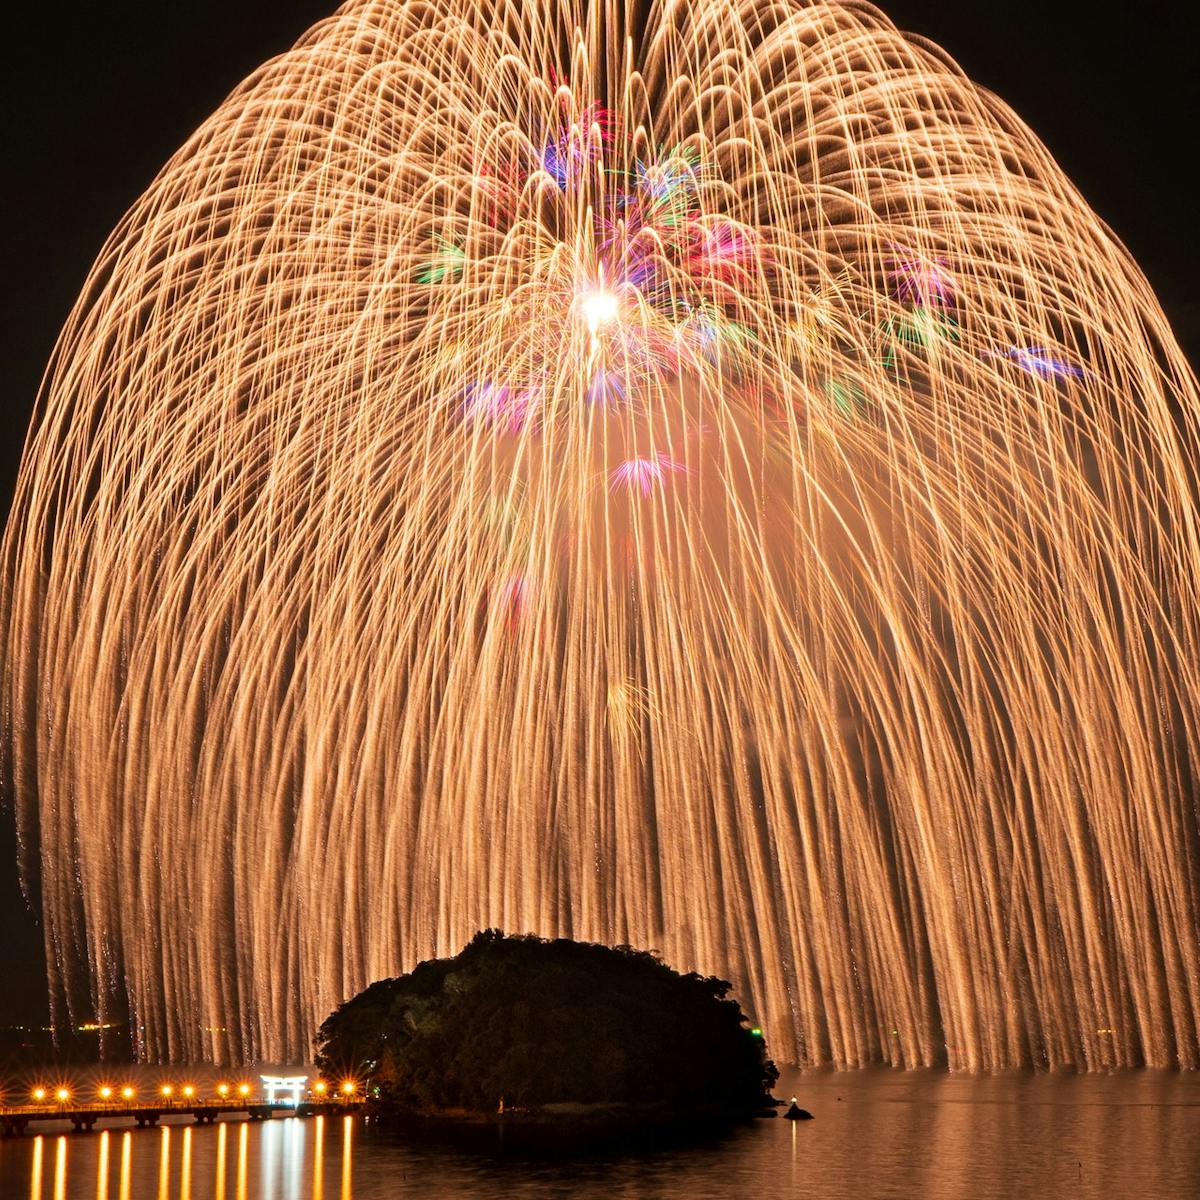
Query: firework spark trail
698, 477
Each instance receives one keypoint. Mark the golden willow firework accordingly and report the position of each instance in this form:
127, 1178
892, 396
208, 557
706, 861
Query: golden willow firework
696, 476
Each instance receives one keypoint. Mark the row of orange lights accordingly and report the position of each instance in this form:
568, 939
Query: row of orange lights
40, 1094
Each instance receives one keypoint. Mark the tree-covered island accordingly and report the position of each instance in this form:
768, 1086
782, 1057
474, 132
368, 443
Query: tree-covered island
549, 1030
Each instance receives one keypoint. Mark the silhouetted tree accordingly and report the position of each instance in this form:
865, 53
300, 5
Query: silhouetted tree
540, 1022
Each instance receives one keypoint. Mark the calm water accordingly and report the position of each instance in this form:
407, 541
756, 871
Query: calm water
876, 1134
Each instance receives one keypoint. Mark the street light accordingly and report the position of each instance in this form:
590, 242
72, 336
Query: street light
166, 1091
222, 1090
189, 1091
320, 1087
105, 1093
347, 1088
127, 1093
62, 1095
39, 1094
243, 1089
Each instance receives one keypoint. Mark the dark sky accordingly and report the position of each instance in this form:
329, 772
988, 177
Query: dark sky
101, 93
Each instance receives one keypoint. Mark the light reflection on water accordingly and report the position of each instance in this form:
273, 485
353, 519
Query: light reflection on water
283, 1158
877, 1134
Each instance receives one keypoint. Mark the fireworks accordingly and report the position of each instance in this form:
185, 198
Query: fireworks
704, 481
643, 473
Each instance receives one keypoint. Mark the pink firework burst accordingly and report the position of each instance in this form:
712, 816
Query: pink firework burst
502, 407
512, 598
721, 246
922, 280
644, 473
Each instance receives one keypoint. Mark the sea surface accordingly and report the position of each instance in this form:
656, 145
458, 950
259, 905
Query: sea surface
876, 1134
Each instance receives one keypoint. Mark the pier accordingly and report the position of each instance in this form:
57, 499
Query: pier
15, 1121
83, 1115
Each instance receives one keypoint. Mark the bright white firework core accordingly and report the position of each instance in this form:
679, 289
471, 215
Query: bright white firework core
599, 307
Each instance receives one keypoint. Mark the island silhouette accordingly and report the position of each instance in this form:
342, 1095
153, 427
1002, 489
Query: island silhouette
520, 1029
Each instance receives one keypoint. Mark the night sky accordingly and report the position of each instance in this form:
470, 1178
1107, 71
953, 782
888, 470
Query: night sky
101, 94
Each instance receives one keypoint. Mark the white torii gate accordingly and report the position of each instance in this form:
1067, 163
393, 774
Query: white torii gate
291, 1085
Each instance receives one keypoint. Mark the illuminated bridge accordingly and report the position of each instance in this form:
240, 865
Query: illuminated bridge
279, 1094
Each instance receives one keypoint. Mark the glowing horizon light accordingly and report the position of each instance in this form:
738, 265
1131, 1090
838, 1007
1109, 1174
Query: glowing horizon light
692, 475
